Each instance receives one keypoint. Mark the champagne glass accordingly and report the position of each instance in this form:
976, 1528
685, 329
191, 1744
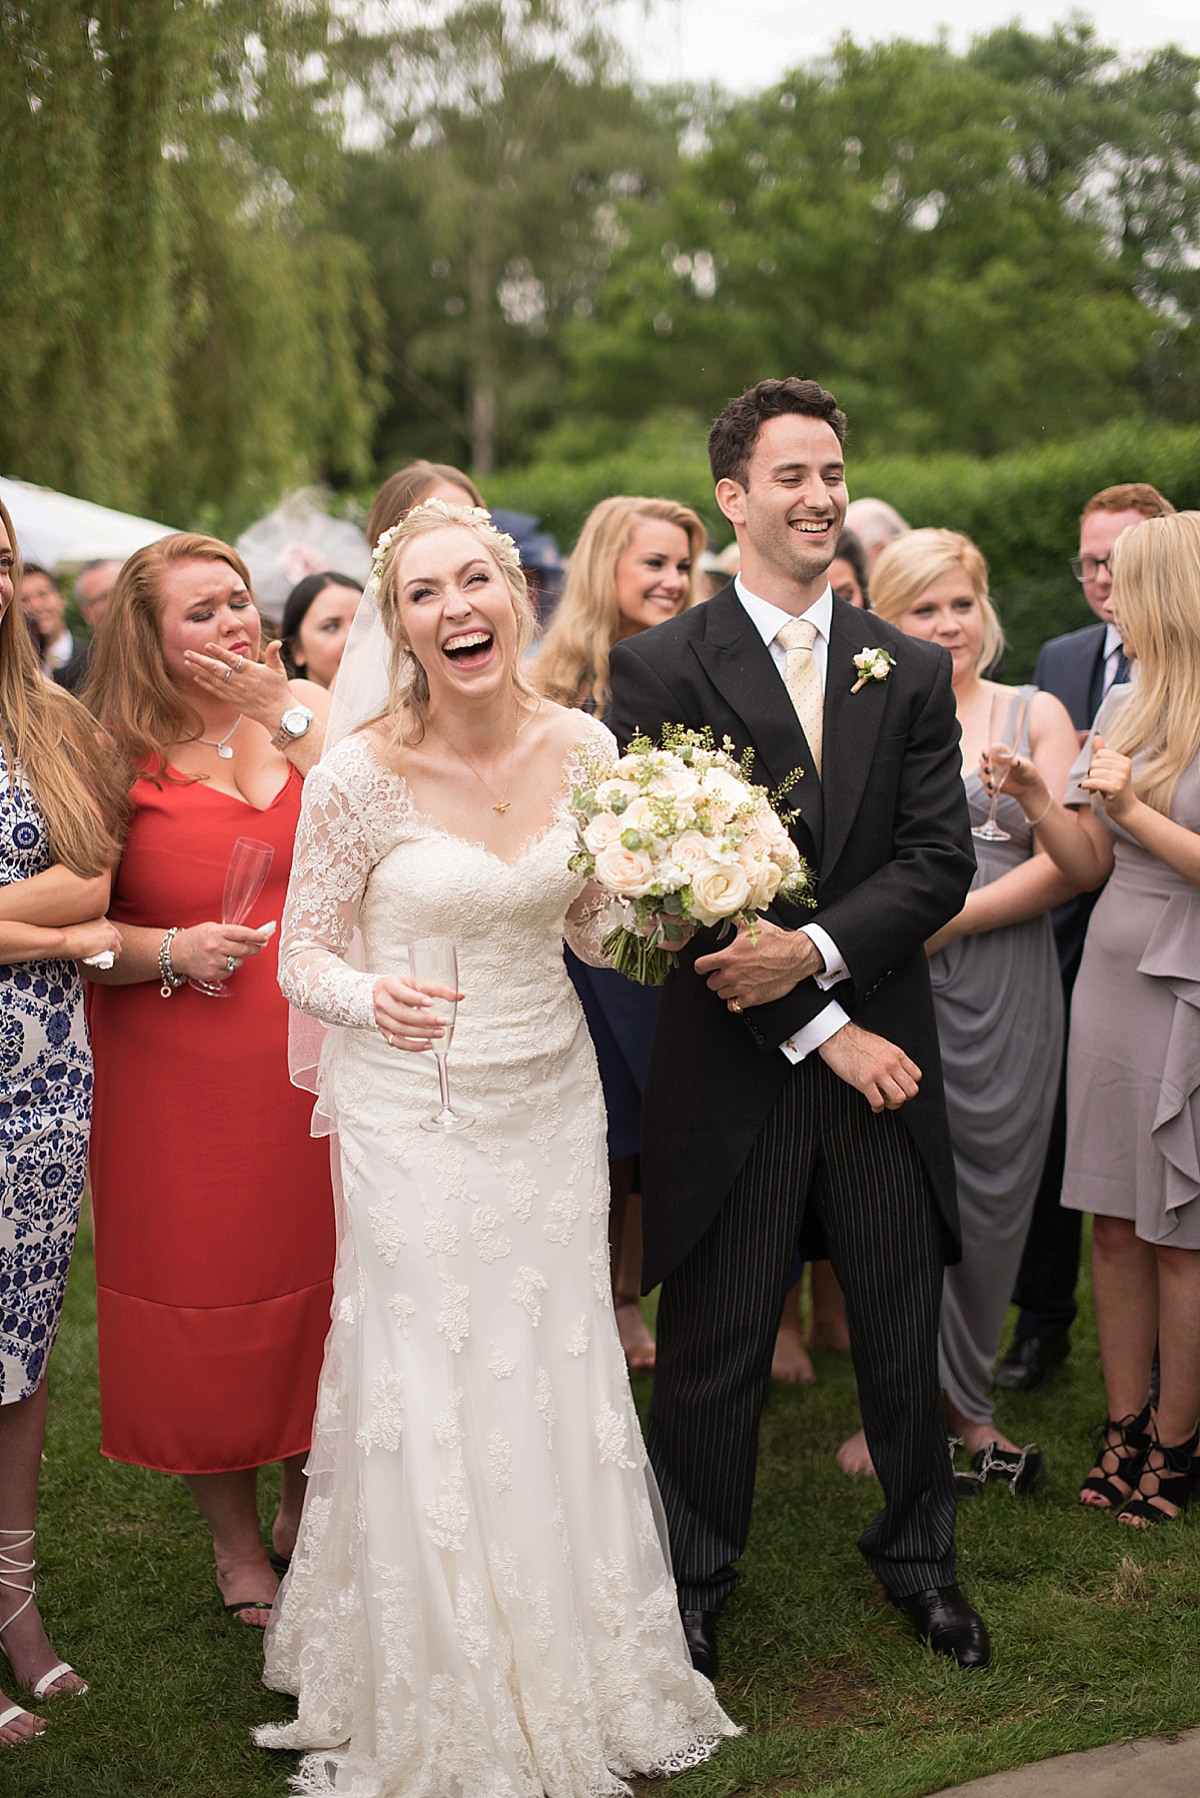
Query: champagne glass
435, 959
249, 865
1006, 723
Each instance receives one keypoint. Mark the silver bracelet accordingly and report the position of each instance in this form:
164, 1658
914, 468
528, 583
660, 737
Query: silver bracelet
1034, 822
170, 979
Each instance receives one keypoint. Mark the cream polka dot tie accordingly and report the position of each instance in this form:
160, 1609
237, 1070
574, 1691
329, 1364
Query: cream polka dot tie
802, 678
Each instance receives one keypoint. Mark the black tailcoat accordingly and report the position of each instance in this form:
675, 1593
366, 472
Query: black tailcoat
887, 831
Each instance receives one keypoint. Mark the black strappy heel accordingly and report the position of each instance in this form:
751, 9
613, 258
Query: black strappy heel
1174, 1472
1131, 1434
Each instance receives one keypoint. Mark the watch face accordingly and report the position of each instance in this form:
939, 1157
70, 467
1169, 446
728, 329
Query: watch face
296, 721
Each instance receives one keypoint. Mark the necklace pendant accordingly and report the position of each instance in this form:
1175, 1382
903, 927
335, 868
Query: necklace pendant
502, 806
225, 752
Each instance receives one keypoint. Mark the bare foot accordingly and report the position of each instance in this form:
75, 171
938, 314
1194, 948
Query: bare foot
790, 1361
21, 1728
238, 1581
636, 1339
976, 1435
854, 1456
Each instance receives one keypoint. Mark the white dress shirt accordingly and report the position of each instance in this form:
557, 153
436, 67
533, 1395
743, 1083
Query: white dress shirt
768, 621
59, 653
1112, 649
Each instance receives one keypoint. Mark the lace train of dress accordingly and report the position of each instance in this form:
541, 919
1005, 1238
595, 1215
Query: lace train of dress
479, 1605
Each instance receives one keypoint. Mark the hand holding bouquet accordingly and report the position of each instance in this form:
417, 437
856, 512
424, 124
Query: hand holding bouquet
677, 836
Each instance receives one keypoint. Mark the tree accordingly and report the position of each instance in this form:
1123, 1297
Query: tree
490, 212
921, 231
180, 331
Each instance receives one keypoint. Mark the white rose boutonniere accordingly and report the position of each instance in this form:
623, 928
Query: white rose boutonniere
872, 664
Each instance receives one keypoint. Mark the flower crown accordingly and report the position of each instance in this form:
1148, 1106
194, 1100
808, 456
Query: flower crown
452, 515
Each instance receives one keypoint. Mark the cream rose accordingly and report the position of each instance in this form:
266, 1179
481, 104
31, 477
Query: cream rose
720, 784
718, 890
629, 872
611, 789
679, 783
603, 830
692, 850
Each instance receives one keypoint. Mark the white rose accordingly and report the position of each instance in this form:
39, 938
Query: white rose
611, 789
637, 816
629, 872
680, 783
766, 885
603, 830
691, 850
722, 785
718, 890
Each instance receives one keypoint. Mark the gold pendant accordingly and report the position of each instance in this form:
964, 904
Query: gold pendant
503, 805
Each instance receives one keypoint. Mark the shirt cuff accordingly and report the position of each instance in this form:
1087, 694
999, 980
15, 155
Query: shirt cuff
818, 1030
835, 967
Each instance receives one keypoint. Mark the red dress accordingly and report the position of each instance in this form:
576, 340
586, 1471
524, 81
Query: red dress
213, 1206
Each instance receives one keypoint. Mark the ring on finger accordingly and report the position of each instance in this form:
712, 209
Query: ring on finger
238, 665
231, 962
734, 1005
227, 674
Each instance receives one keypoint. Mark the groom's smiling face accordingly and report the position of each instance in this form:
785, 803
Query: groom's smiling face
791, 511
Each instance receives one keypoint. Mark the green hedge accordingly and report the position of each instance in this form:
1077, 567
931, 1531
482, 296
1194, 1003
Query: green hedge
1022, 509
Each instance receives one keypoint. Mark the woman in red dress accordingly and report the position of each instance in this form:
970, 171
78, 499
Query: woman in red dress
213, 1206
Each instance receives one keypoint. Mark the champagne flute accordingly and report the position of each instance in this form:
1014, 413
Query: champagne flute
435, 959
1006, 723
249, 865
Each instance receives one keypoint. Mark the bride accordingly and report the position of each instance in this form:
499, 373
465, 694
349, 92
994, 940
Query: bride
479, 1605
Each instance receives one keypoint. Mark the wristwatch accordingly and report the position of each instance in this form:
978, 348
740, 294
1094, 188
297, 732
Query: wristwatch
292, 726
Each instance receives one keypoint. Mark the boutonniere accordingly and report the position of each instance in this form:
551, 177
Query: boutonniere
872, 664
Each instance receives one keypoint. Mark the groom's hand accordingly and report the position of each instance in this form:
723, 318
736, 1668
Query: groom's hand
882, 1073
749, 973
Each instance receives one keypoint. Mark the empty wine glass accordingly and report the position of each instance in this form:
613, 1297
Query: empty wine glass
249, 865
435, 959
1006, 723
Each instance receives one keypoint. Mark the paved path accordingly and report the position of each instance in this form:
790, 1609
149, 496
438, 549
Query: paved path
1158, 1767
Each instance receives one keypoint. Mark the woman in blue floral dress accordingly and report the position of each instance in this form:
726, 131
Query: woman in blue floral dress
61, 813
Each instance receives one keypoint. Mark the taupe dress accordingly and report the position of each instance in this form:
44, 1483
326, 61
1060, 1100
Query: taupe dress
1133, 1070
998, 1000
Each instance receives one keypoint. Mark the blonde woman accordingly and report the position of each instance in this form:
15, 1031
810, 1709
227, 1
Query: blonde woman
636, 564
479, 1600
62, 815
1132, 812
996, 989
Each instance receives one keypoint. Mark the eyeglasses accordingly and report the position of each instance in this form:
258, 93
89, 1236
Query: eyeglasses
1086, 568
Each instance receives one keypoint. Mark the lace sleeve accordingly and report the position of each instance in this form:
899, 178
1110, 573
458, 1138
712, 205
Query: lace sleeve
333, 858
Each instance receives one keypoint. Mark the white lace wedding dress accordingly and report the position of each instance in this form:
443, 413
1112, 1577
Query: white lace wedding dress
479, 1605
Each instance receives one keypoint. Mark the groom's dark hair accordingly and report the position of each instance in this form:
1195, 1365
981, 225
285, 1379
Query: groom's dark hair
734, 434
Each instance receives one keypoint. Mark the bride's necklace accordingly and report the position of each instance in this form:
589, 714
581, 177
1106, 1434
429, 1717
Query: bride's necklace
222, 748
501, 801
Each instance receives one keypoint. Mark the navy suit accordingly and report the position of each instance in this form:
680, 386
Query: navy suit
1072, 668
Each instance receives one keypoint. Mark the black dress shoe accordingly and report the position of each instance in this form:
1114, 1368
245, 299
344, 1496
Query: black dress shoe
700, 1634
1030, 1362
943, 1618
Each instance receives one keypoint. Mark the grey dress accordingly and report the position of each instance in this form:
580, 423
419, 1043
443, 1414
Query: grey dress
1133, 1071
998, 1000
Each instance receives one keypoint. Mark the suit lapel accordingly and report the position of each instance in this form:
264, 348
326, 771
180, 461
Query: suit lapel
739, 665
851, 727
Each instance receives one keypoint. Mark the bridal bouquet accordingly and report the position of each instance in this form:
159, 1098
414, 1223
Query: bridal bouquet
676, 836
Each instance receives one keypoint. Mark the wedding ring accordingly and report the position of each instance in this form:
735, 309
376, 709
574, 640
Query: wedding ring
231, 962
239, 665
227, 674
390, 1043
734, 1006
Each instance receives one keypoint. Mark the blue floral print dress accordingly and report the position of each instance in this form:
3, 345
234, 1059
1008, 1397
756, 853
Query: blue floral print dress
45, 1114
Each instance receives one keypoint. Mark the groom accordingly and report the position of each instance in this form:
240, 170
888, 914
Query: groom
802, 1072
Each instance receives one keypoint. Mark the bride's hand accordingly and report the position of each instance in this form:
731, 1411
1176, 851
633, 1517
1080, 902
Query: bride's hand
405, 1014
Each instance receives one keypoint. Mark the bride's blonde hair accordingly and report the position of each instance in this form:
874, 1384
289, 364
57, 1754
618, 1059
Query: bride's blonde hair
408, 683
1156, 595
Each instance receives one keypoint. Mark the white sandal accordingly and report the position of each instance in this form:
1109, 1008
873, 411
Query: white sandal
9, 1565
10, 1716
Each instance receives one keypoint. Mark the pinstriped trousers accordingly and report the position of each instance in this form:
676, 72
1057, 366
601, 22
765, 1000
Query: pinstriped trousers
719, 1311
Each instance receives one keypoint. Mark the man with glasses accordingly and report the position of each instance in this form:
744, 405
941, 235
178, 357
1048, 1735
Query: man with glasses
1079, 669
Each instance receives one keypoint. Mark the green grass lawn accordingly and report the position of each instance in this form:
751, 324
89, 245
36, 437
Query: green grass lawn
1096, 1628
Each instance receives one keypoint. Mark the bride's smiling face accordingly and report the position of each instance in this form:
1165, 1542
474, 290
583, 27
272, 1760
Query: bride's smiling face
456, 612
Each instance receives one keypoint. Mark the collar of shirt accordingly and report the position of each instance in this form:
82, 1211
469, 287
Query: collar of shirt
768, 621
1112, 641
59, 652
